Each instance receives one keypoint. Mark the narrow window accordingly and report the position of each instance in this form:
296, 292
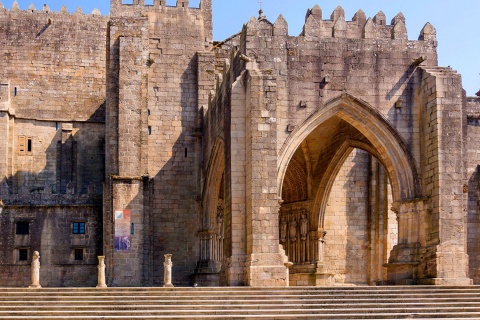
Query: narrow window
23, 227
29, 146
21, 145
149, 130
186, 152
22, 254
78, 254
15, 91
78, 228
132, 228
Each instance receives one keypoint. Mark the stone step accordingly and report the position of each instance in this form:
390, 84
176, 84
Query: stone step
229, 292
222, 306
245, 311
248, 289
242, 303
364, 303
386, 316
188, 297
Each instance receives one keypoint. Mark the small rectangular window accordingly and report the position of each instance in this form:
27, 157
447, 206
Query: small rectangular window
23, 227
21, 145
78, 228
78, 254
22, 254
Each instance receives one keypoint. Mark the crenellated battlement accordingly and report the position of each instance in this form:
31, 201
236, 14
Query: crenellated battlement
139, 7
46, 10
360, 27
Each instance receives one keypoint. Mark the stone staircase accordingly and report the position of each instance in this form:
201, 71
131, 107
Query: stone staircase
417, 302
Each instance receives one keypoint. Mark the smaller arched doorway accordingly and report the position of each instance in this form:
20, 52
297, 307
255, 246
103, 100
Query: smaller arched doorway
212, 234
338, 186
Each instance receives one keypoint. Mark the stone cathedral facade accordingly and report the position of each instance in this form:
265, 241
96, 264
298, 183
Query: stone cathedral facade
341, 156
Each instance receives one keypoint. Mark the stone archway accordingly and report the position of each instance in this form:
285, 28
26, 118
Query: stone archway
324, 141
387, 142
212, 232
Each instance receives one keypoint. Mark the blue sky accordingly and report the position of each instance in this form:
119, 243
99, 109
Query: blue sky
456, 22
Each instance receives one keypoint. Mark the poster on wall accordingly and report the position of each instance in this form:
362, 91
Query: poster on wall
122, 231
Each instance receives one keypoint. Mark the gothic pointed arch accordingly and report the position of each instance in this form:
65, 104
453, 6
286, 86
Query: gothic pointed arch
335, 164
213, 185
383, 138
212, 227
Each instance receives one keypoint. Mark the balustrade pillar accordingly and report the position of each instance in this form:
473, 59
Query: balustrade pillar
35, 271
167, 274
101, 272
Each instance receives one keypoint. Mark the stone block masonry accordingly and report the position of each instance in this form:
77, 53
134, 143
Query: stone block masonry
155, 85
345, 153
52, 111
338, 86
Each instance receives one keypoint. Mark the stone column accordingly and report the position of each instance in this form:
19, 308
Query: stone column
35, 271
167, 277
404, 258
323, 278
321, 250
101, 272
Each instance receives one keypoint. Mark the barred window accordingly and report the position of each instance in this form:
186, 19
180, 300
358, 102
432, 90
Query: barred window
78, 228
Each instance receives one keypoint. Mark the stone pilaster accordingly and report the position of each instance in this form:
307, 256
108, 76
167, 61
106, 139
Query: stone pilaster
233, 267
445, 260
264, 263
127, 132
4, 117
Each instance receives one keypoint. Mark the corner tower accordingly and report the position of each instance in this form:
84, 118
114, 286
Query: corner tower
152, 149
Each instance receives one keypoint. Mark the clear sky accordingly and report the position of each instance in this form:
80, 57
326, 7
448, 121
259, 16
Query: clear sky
457, 22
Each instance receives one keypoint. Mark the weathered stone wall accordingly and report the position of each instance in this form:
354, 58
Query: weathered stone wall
52, 92
51, 235
444, 235
162, 100
472, 111
47, 166
346, 222
170, 102
377, 67
55, 63
52, 79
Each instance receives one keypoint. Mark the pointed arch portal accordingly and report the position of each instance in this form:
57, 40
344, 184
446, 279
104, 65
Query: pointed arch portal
344, 132
387, 142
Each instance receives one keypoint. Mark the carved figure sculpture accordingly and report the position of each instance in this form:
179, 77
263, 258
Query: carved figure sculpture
293, 230
283, 230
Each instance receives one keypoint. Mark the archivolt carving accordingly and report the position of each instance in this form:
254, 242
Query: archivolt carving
295, 185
